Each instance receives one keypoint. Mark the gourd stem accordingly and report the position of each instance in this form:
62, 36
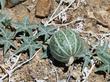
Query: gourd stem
71, 59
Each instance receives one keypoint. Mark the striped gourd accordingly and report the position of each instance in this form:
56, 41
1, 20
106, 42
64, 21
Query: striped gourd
65, 45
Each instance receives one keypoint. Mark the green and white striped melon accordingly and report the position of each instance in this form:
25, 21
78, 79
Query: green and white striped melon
65, 45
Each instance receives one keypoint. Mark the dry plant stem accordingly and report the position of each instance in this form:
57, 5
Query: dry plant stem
9, 77
85, 79
64, 24
103, 35
9, 72
61, 1
12, 55
18, 66
78, 3
15, 62
69, 73
89, 72
59, 13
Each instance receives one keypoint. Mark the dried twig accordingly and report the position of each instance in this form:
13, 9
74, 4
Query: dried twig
85, 73
88, 73
9, 73
59, 13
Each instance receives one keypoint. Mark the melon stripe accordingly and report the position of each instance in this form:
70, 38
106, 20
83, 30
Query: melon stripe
79, 47
67, 42
75, 42
59, 45
57, 54
60, 58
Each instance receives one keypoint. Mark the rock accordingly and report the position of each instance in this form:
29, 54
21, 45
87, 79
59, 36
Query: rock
94, 3
19, 12
11, 3
43, 8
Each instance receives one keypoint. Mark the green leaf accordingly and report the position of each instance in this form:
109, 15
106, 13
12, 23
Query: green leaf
87, 60
44, 54
104, 55
3, 17
104, 67
45, 51
45, 31
29, 44
86, 55
25, 26
2, 3
6, 39
7, 22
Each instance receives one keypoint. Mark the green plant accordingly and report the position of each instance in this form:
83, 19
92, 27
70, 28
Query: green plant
45, 31
30, 44
104, 55
66, 45
6, 38
25, 26
2, 3
3, 17
27, 35
23, 31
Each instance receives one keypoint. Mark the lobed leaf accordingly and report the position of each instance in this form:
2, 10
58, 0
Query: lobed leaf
29, 44
104, 55
45, 31
25, 26
6, 39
